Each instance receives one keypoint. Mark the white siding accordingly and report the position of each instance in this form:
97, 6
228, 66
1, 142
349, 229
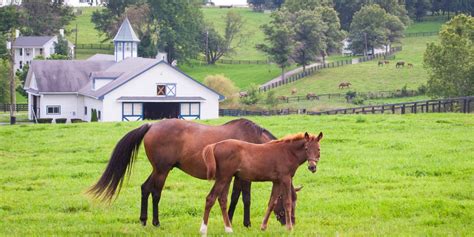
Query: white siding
99, 82
67, 103
145, 85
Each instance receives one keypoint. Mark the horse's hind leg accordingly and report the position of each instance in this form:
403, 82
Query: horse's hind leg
146, 189
234, 198
158, 180
223, 205
245, 185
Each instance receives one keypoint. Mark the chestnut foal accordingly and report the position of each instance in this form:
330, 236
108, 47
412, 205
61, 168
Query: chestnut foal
274, 161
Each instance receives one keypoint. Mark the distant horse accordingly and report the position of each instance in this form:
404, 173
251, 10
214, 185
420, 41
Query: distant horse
400, 64
386, 62
410, 65
172, 144
380, 63
274, 161
312, 96
342, 85
294, 91
243, 94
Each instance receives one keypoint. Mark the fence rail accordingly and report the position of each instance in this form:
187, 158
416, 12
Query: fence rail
18, 107
421, 34
95, 46
459, 104
311, 70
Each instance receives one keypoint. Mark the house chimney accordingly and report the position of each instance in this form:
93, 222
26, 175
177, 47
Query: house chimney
61, 32
17, 33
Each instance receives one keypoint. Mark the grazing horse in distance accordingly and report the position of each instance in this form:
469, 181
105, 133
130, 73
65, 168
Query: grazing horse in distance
312, 96
400, 64
410, 65
275, 161
380, 63
282, 97
175, 143
243, 94
386, 62
294, 91
342, 85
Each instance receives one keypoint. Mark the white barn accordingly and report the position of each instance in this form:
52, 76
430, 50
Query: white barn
120, 87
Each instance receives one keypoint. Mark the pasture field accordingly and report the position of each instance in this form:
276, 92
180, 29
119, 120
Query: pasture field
86, 33
367, 76
379, 175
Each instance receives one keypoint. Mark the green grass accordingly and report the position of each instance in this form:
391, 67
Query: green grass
366, 77
431, 24
86, 53
379, 175
86, 33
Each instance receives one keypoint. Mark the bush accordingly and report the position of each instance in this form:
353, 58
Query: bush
252, 95
224, 86
404, 91
76, 120
422, 89
61, 120
94, 115
350, 95
45, 120
358, 101
271, 99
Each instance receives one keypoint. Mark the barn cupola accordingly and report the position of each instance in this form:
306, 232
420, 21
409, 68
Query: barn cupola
125, 42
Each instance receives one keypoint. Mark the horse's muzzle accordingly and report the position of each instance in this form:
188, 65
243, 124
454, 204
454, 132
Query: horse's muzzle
312, 168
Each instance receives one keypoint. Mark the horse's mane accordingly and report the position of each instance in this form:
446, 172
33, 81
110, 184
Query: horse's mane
290, 138
253, 126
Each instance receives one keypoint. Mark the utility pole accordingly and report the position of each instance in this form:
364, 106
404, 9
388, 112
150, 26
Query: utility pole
12, 78
207, 46
75, 43
365, 39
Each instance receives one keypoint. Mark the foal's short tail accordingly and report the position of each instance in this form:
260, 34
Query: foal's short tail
123, 156
210, 161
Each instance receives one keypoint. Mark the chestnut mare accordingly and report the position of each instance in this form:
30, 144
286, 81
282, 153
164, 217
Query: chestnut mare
175, 143
274, 161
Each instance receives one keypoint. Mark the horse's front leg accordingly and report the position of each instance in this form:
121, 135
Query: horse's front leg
246, 185
271, 204
287, 202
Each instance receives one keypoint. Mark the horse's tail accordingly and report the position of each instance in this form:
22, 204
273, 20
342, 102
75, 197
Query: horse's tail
123, 156
209, 161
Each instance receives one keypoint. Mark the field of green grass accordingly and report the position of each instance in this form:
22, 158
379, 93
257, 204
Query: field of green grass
430, 24
86, 34
379, 175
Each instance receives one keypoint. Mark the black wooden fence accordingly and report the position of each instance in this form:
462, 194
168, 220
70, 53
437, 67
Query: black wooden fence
19, 107
95, 46
311, 70
421, 34
449, 105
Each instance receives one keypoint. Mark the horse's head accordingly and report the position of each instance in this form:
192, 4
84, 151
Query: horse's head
312, 150
279, 209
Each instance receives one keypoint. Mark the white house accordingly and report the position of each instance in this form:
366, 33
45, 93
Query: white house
346, 50
9, 2
229, 3
72, 3
29, 47
120, 87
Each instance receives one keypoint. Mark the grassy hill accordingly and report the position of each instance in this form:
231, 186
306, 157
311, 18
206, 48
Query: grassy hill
378, 175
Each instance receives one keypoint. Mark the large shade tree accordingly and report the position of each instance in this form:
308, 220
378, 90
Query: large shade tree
450, 63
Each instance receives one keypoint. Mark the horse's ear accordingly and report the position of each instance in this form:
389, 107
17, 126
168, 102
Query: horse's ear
320, 136
298, 188
306, 136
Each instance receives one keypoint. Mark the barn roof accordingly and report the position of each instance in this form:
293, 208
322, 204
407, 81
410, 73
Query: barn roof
31, 41
126, 33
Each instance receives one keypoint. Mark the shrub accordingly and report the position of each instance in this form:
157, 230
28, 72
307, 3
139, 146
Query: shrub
94, 115
271, 99
358, 101
422, 89
224, 86
45, 120
252, 95
61, 120
404, 91
76, 120
350, 95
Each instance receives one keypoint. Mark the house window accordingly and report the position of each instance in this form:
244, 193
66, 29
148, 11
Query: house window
27, 51
132, 109
119, 46
85, 110
161, 90
21, 64
98, 114
21, 52
41, 51
128, 46
53, 109
190, 109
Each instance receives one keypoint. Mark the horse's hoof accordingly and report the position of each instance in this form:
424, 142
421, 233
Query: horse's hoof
247, 224
143, 222
263, 227
156, 223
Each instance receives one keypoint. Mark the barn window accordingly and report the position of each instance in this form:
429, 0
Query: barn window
132, 109
190, 109
161, 90
98, 114
85, 110
53, 109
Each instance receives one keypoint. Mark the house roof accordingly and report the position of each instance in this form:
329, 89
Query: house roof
126, 33
161, 99
101, 57
63, 75
35, 41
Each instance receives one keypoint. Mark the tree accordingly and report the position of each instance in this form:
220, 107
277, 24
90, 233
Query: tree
368, 29
223, 85
4, 81
395, 30
309, 37
61, 47
43, 17
450, 62
21, 75
297, 5
215, 46
252, 95
417, 9
278, 35
9, 18
180, 26
333, 33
